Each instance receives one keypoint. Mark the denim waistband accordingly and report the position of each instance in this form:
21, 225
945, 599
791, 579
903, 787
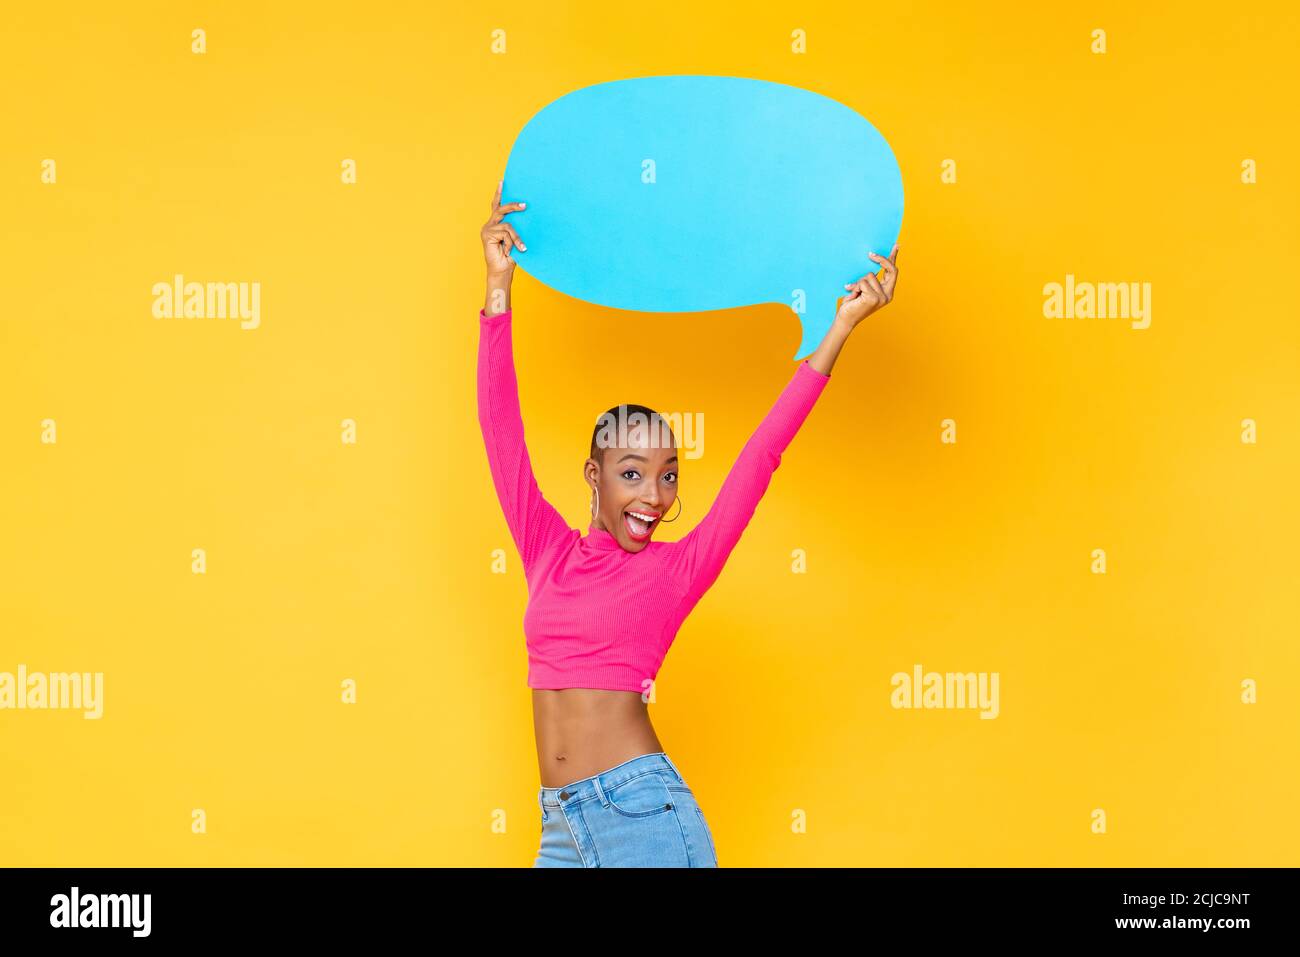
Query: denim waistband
602, 781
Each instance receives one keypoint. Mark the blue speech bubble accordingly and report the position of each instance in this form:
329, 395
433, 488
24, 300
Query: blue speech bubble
694, 193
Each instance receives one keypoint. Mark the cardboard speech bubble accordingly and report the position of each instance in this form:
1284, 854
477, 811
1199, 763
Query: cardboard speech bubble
695, 193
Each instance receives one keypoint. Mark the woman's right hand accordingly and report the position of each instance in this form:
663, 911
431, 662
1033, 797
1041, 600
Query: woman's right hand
499, 238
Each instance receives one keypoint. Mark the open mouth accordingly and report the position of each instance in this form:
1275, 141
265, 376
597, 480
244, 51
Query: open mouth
640, 523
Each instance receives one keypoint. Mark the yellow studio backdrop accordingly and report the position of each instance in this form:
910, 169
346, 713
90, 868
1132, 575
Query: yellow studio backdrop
237, 524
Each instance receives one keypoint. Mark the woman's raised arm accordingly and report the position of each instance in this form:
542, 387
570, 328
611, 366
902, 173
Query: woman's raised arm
698, 558
534, 523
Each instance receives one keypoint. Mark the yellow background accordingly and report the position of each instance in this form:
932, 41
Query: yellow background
328, 561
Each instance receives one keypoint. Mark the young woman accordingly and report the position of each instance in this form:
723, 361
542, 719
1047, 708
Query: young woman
604, 608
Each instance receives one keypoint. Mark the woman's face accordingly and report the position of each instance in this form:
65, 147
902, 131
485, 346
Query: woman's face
636, 484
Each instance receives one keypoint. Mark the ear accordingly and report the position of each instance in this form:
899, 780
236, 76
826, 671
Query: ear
591, 472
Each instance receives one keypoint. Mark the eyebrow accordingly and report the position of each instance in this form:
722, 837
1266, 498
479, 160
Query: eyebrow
633, 455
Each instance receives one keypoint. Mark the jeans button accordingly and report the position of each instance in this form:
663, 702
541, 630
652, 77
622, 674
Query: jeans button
564, 795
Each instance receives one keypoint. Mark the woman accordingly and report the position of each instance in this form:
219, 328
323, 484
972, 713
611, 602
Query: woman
603, 609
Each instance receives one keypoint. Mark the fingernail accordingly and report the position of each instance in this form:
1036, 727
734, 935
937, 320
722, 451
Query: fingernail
522, 205
523, 247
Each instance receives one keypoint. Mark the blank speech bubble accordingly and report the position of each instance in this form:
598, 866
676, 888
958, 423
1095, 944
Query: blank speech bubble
695, 193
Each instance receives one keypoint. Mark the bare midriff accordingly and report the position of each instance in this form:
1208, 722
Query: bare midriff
583, 731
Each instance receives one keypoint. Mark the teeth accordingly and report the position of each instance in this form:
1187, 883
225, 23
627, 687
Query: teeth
642, 516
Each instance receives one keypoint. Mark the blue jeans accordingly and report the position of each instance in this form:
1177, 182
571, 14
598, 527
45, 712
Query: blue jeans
637, 814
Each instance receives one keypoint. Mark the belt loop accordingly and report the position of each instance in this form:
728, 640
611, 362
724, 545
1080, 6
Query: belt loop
600, 791
674, 767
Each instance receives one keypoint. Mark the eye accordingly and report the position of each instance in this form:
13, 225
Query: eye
670, 478
631, 475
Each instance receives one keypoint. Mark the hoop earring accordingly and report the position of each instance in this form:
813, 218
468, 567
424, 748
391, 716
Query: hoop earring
679, 512
595, 502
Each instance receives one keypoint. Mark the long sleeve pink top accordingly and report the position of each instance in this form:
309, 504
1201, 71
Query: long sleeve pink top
599, 616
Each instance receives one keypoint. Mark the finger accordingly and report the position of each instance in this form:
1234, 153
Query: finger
496, 198
504, 234
887, 265
893, 255
500, 237
891, 274
874, 283
499, 212
515, 236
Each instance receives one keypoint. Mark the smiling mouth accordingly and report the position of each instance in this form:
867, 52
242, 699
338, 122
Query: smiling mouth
639, 524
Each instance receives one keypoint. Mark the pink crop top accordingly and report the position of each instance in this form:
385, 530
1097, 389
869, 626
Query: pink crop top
599, 616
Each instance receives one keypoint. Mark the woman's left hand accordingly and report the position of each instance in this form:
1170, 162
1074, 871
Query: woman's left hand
869, 293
